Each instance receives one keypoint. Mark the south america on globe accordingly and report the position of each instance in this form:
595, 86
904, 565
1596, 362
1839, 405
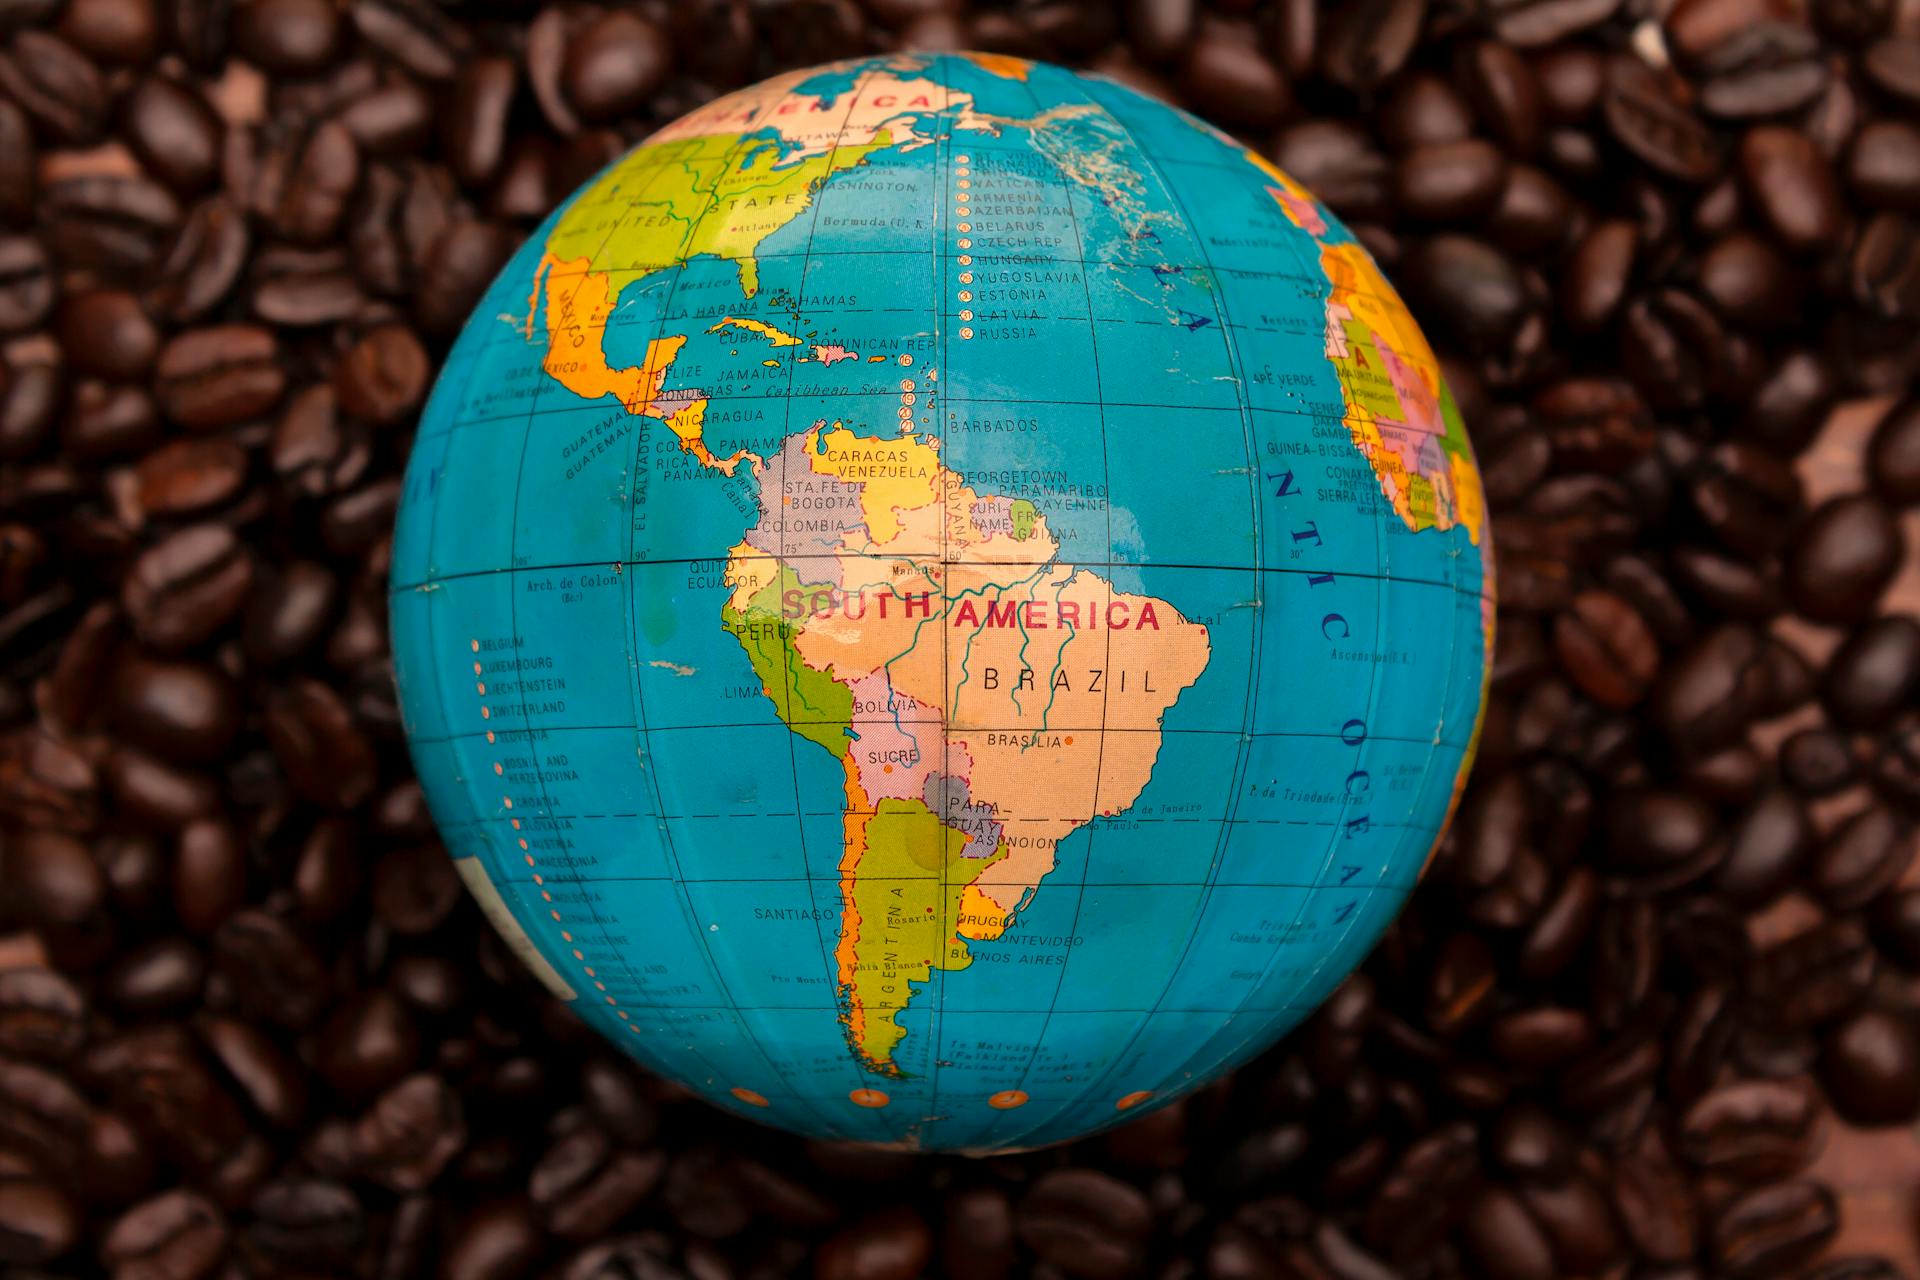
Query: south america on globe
941, 601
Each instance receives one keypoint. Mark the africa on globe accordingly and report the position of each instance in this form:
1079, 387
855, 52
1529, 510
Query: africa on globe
941, 601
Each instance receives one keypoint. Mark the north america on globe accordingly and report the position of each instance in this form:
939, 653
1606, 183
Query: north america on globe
941, 601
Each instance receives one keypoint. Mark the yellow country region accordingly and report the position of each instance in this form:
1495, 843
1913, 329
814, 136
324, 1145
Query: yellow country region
775, 336
576, 311
904, 878
1004, 65
1281, 179
893, 472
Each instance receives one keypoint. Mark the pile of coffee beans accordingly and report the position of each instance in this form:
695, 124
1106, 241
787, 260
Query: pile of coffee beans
1652, 1012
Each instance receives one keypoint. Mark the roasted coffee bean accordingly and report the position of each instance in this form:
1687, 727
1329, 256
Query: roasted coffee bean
1814, 975
176, 134
108, 222
1863, 858
162, 976
204, 263
1085, 1222
215, 377
1449, 181
383, 377
28, 285
1870, 1064
178, 1233
39, 1223
19, 168
1363, 45
325, 754
322, 176
1422, 110
612, 64
42, 1015
1875, 673
457, 270
1754, 1130
287, 37
185, 588
55, 85
1765, 1230
1766, 850
1646, 116
1841, 558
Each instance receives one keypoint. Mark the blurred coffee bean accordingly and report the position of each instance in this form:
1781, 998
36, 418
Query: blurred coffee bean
218, 376
28, 286
612, 64
176, 1234
185, 588
287, 37
1449, 181
55, 85
1870, 1064
163, 976
175, 132
1363, 45
1645, 115
1085, 1223
39, 1223
1767, 849
1774, 1227
1226, 75
108, 222
384, 376
1865, 856
19, 168
1841, 558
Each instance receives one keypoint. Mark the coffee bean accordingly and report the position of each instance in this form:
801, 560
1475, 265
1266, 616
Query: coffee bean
55, 85
162, 976
1645, 115
287, 37
27, 284
1894, 920
272, 972
108, 222
1422, 109
584, 1185
51, 879
1884, 272
1773, 1227
409, 1134
326, 756
38, 1222
190, 475
268, 1078
42, 1015
1893, 66
457, 270
1471, 293
176, 134
1084, 1222
1883, 166
1792, 186
185, 709
1606, 648
1749, 282
1841, 558
176, 1234
1862, 859
1450, 181
613, 63
383, 377
106, 333
185, 588
1870, 1064
19, 167
1814, 975
1767, 849
1363, 45
1753, 1130
1338, 163
1854, 1267
218, 376
495, 1241
321, 178
203, 263
1502, 1238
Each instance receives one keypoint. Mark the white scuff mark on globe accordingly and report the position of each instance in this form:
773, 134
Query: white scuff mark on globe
674, 667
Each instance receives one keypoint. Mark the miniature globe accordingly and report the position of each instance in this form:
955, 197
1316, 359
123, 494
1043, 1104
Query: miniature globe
941, 601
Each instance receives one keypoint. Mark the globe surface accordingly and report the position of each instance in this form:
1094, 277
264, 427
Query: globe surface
941, 601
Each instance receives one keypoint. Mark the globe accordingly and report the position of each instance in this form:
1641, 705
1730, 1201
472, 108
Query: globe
940, 601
